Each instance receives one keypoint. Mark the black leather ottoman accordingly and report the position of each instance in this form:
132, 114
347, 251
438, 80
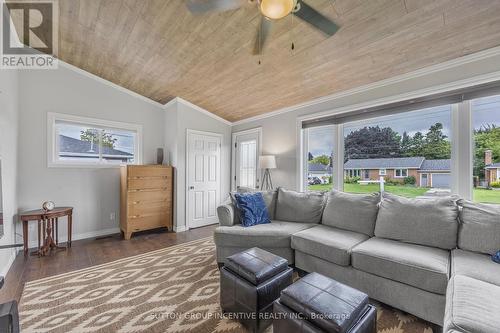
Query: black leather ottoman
250, 282
316, 303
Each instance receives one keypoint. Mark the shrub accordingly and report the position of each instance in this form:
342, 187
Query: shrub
410, 180
495, 184
351, 180
390, 181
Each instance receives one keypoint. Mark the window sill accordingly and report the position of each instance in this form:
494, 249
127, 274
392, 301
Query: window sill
85, 166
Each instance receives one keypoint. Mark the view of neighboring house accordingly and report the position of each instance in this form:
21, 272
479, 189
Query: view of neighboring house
319, 170
491, 170
427, 173
71, 148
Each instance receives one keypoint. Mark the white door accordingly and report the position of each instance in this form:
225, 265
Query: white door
246, 151
203, 178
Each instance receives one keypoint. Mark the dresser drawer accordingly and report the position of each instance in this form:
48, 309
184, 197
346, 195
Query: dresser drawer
149, 208
163, 183
149, 171
152, 195
138, 223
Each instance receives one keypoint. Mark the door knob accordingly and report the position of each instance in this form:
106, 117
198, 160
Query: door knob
191, 187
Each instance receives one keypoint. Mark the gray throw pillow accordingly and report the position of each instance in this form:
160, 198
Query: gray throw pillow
269, 198
431, 222
479, 228
294, 206
351, 211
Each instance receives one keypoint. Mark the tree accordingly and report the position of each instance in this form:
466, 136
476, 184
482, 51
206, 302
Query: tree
92, 135
435, 144
405, 143
322, 159
372, 142
416, 145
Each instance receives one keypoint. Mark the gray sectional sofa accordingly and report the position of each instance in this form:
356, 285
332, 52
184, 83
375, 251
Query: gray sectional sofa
421, 256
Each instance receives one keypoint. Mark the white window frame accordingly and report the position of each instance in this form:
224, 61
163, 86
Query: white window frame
382, 172
52, 154
400, 173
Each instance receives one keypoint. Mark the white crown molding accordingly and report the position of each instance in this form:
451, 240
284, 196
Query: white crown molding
492, 52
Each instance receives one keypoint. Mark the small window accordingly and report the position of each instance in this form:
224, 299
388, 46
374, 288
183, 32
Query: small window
401, 173
77, 141
382, 172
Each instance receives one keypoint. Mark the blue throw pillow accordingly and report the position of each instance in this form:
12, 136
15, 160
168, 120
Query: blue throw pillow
496, 257
252, 208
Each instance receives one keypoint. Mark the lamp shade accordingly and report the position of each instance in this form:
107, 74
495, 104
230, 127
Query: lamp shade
267, 162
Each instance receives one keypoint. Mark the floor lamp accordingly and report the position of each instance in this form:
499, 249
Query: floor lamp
267, 162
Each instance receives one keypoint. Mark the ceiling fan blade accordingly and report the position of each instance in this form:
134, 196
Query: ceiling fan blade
317, 20
261, 35
204, 6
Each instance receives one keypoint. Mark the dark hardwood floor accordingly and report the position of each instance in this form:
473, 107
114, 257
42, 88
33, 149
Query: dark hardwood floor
90, 252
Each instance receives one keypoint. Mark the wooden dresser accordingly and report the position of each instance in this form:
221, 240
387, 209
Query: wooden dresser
145, 198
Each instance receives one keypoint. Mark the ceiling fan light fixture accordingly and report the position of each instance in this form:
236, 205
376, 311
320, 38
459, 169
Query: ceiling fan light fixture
276, 9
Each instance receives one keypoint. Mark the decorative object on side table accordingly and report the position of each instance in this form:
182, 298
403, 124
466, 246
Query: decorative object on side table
48, 206
250, 281
266, 163
48, 228
159, 156
496, 257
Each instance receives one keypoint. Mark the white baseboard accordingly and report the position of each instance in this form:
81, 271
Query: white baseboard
180, 228
91, 234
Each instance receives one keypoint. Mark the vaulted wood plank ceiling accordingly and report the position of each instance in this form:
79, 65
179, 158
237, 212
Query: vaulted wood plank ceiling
159, 49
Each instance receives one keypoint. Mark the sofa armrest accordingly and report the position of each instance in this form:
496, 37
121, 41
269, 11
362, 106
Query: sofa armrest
227, 215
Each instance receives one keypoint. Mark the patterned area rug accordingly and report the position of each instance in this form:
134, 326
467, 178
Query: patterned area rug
175, 289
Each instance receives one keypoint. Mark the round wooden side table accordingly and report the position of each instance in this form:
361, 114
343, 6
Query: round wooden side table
47, 226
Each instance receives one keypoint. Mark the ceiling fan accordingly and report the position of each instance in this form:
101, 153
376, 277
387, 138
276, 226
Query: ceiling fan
270, 10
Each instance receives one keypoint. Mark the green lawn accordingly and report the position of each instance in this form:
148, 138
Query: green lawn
480, 195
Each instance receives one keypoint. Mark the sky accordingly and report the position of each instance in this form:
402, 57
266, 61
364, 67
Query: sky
485, 111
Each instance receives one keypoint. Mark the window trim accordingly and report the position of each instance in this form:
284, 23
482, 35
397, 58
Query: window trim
400, 172
52, 160
382, 172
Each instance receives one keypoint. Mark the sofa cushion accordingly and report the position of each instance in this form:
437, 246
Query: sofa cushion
416, 265
475, 265
479, 227
274, 234
270, 198
349, 211
328, 243
471, 306
418, 221
299, 207
252, 209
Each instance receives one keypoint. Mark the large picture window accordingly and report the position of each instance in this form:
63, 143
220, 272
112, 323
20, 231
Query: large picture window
486, 166
77, 141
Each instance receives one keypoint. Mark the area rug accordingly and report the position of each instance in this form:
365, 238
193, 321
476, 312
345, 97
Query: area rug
175, 289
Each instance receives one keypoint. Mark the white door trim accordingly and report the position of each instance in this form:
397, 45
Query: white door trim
257, 130
186, 168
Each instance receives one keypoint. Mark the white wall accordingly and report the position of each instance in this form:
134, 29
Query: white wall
94, 193
8, 156
180, 116
279, 132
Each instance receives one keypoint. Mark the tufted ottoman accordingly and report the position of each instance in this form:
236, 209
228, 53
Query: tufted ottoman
316, 303
250, 282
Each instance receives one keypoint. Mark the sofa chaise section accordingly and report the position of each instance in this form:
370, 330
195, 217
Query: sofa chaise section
472, 306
